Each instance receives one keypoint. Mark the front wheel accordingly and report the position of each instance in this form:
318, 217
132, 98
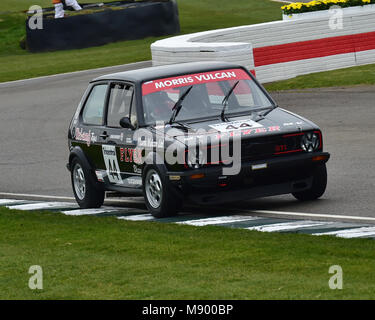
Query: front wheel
318, 186
160, 197
86, 193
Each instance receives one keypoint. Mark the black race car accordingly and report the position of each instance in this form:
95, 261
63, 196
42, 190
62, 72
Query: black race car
205, 131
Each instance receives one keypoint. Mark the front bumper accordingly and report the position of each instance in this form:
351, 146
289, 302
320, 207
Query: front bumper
274, 176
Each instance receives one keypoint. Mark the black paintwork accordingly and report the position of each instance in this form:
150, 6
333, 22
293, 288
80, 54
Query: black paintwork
288, 170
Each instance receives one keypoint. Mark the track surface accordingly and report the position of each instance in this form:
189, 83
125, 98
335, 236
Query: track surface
35, 115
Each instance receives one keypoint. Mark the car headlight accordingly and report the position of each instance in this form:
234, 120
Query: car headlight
310, 141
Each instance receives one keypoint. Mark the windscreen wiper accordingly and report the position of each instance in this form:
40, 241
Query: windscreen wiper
225, 101
268, 110
182, 125
177, 106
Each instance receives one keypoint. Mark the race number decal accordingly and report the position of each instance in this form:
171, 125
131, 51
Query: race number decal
111, 164
236, 125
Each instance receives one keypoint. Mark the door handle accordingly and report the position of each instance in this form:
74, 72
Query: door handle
104, 135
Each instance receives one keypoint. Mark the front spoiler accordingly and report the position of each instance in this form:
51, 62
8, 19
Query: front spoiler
251, 193
272, 164
198, 193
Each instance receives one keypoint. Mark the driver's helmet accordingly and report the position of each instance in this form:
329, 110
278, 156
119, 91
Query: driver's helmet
159, 104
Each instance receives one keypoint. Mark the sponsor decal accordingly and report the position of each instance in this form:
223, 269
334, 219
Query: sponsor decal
99, 175
111, 164
117, 136
259, 166
174, 178
134, 181
136, 169
131, 155
149, 142
193, 79
88, 137
246, 132
287, 124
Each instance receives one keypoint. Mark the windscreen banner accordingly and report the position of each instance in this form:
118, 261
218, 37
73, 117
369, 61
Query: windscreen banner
193, 79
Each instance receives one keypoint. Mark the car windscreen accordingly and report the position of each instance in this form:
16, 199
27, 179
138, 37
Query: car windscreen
205, 98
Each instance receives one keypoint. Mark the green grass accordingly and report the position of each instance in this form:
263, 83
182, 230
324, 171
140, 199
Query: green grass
105, 258
195, 15
363, 75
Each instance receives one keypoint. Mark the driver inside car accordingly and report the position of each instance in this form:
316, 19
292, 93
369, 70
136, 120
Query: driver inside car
159, 105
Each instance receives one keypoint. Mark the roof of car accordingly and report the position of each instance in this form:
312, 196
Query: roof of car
151, 73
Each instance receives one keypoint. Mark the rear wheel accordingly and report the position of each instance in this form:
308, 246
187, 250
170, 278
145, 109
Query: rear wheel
318, 186
160, 197
87, 194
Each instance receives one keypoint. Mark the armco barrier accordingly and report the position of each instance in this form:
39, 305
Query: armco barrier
278, 50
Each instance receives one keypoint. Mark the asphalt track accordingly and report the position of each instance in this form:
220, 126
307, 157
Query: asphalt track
35, 115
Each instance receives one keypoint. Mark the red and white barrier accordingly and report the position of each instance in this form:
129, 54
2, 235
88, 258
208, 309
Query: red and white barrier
281, 49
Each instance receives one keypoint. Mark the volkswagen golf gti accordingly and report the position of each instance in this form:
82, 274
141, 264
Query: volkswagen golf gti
206, 132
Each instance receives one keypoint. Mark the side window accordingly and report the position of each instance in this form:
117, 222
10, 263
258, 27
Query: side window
120, 102
94, 108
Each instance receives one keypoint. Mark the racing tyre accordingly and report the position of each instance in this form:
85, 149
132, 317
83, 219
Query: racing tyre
318, 187
162, 199
86, 193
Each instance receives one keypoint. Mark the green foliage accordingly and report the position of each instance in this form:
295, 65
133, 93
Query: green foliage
300, 7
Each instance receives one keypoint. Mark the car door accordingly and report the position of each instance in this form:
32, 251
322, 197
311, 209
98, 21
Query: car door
90, 127
119, 150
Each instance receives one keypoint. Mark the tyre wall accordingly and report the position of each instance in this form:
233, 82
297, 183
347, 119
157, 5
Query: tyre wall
278, 50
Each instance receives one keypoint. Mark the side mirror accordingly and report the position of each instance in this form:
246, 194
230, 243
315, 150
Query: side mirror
125, 123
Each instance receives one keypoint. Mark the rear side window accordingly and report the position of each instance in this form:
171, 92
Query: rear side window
120, 101
93, 111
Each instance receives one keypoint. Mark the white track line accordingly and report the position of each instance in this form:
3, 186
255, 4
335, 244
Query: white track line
312, 215
138, 217
10, 201
350, 233
217, 220
43, 205
287, 226
46, 197
82, 212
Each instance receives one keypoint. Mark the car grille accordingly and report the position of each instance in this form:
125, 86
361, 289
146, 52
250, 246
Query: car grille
262, 148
